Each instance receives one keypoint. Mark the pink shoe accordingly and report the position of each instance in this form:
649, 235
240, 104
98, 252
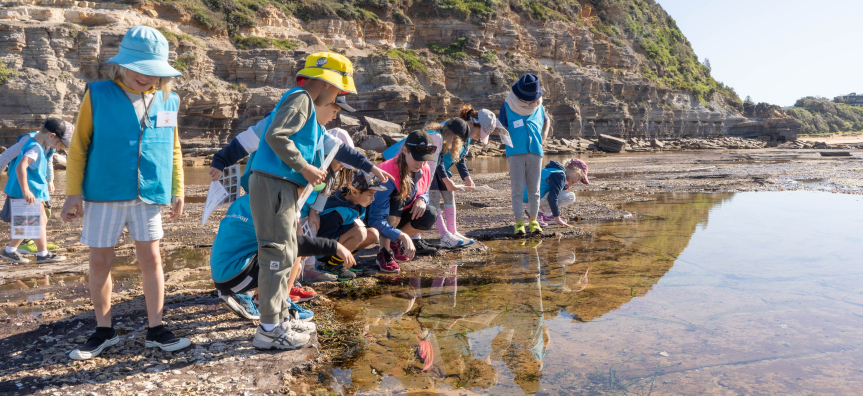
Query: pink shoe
541, 219
399, 252
386, 263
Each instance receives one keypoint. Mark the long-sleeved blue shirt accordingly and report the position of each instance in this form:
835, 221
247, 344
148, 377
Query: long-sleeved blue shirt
247, 142
380, 207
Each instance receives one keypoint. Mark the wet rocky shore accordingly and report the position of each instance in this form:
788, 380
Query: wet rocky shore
46, 311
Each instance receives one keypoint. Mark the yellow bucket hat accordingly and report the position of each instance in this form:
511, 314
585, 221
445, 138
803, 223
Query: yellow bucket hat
333, 68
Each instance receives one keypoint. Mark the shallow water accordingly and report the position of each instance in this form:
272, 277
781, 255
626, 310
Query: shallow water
728, 293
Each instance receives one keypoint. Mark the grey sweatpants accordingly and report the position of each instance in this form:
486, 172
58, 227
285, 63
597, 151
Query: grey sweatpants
524, 171
274, 212
435, 199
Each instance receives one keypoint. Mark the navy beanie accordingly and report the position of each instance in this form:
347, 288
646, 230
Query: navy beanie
527, 88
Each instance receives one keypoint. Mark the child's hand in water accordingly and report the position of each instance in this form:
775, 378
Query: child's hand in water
215, 174
408, 245
346, 255
560, 220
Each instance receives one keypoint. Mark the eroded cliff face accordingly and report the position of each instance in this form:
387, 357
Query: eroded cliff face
592, 83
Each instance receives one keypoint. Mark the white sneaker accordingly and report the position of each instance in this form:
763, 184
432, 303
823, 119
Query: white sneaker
279, 338
466, 240
450, 241
298, 325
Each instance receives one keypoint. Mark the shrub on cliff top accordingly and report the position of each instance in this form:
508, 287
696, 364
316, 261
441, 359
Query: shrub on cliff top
820, 115
452, 53
400, 18
410, 59
252, 42
5, 73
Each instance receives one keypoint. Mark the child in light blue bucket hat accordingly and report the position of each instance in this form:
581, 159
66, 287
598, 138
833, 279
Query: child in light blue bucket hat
125, 162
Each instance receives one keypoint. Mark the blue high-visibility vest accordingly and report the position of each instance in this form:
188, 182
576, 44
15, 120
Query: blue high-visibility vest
125, 161
37, 179
23, 138
543, 183
308, 140
525, 132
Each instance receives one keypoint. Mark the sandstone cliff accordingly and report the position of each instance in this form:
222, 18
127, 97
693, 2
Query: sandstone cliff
409, 73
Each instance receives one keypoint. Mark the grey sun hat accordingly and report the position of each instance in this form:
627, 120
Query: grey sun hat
144, 50
488, 123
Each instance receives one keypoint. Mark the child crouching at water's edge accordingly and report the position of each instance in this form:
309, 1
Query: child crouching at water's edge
341, 220
401, 209
125, 162
555, 179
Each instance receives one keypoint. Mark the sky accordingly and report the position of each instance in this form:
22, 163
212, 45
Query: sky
777, 51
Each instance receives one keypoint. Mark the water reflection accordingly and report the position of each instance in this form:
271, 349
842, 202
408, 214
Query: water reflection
747, 290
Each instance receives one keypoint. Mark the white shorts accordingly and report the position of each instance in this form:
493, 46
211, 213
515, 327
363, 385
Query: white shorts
104, 222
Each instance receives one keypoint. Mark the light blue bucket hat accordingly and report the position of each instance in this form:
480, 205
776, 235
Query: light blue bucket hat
144, 50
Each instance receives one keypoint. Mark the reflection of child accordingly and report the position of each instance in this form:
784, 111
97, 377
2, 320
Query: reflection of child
30, 182
126, 163
340, 220
554, 179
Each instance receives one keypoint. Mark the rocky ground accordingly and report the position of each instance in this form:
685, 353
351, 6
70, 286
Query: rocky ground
46, 310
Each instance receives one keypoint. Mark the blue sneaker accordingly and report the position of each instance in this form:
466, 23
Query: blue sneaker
304, 314
242, 305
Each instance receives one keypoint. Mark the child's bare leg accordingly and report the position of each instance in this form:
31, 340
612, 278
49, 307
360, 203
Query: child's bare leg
101, 284
150, 261
385, 242
296, 270
42, 242
353, 238
372, 236
407, 229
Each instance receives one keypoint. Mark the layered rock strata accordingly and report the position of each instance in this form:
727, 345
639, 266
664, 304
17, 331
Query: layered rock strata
592, 84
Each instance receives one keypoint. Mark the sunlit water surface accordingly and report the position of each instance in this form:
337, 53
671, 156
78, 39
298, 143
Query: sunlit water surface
721, 293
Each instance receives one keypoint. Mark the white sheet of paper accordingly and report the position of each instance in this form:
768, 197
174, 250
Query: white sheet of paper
215, 197
475, 188
26, 219
231, 182
166, 119
504, 137
326, 166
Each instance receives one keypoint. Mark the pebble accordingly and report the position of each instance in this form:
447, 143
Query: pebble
663, 354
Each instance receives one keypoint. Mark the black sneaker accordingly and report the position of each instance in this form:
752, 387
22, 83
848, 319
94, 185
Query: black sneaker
49, 258
164, 339
13, 257
424, 248
361, 271
102, 338
341, 273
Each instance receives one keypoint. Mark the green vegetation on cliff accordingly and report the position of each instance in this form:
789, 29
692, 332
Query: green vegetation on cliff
820, 115
5, 73
667, 56
671, 62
